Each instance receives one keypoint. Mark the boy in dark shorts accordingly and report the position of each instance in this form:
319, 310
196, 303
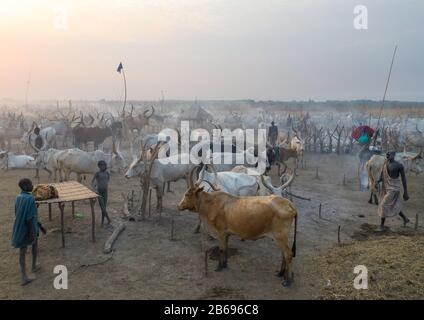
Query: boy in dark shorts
25, 228
100, 183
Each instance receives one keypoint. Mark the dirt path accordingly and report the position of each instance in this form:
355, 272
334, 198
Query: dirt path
148, 264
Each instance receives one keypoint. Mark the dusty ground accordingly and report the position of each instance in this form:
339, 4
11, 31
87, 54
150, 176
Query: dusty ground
147, 264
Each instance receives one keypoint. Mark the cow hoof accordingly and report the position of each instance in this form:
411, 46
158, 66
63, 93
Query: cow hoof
279, 274
370, 201
219, 269
285, 283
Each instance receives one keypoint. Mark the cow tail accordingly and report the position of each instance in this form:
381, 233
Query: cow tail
294, 237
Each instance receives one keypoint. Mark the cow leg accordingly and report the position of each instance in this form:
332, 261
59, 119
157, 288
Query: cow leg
375, 199
371, 195
168, 189
285, 168
159, 196
283, 266
199, 224
282, 241
223, 243
49, 172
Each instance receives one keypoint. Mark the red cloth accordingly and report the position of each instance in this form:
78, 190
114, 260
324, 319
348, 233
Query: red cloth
361, 130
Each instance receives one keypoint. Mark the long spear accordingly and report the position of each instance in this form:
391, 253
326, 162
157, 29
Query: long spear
121, 68
387, 85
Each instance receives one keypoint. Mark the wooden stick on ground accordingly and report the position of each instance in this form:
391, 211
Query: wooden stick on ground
116, 232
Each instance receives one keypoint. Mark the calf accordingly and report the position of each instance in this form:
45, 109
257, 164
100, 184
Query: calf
249, 218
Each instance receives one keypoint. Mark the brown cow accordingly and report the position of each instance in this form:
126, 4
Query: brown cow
284, 155
249, 218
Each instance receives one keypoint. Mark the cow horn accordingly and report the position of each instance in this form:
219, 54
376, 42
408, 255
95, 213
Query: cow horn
288, 182
151, 114
214, 188
214, 172
190, 177
266, 184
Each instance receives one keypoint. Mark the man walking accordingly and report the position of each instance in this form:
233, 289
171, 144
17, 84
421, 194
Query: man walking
390, 202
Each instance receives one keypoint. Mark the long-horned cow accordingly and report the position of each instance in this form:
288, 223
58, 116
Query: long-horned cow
175, 167
82, 162
249, 218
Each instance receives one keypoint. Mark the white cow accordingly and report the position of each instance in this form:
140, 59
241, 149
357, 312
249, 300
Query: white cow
9, 160
178, 167
82, 162
47, 160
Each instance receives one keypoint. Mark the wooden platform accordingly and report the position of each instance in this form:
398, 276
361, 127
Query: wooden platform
71, 191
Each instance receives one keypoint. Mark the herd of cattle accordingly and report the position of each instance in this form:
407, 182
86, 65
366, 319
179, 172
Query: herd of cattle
230, 199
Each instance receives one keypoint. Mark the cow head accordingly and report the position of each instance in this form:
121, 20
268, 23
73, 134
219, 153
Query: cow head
190, 200
136, 168
416, 163
118, 162
297, 144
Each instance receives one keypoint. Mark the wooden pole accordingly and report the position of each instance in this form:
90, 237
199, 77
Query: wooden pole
338, 234
50, 212
93, 220
150, 202
319, 210
172, 229
62, 222
132, 199
206, 262
416, 222
73, 209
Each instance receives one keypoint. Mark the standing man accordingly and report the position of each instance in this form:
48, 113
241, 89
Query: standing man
25, 228
39, 144
390, 203
272, 134
100, 183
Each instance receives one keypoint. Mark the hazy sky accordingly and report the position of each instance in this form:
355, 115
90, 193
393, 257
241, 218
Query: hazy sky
210, 49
